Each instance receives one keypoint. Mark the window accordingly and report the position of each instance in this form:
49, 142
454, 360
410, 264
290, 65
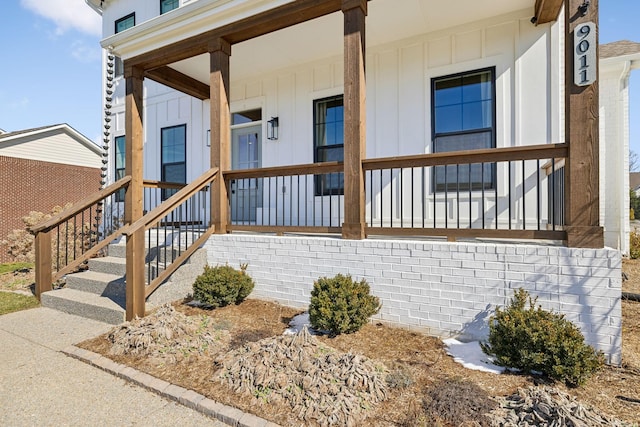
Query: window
119, 172
328, 140
173, 157
118, 67
463, 118
125, 22
168, 5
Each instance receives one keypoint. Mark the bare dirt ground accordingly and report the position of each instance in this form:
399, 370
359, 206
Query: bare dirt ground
417, 365
631, 267
21, 280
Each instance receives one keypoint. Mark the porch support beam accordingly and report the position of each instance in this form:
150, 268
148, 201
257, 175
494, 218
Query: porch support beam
582, 133
135, 296
180, 82
547, 11
284, 16
220, 122
355, 12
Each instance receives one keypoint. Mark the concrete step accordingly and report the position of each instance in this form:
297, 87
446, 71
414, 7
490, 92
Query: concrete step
86, 304
102, 284
118, 267
109, 265
119, 250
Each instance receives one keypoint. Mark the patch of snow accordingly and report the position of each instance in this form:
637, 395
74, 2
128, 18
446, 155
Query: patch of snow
298, 323
471, 356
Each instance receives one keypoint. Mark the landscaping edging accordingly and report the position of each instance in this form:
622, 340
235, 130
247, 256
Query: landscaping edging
189, 398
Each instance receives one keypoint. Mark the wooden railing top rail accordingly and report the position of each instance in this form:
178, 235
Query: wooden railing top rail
307, 169
488, 155
80, 206
172, 202
148, 183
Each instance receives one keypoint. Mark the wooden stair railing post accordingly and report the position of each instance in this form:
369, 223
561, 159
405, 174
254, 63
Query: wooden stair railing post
355, 118
43, 262
135, 280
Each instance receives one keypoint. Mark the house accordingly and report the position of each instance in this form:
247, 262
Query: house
617, 61
41, 168
418, 144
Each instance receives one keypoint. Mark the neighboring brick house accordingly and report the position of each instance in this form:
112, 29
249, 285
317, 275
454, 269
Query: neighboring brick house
41, 168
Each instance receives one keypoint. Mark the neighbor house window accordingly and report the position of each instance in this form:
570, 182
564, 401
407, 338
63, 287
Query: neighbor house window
168, 5
463, 118
173, 157
126, 22
119, 163
328, 140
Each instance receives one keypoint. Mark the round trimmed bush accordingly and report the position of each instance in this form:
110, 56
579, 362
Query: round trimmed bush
533, 339
341, 305
222, 285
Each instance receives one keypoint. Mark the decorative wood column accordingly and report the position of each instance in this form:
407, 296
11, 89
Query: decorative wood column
582, 129
220, 122
355, 120
135, 281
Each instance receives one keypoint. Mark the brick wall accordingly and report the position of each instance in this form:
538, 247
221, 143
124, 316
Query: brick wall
438, 287
29, 185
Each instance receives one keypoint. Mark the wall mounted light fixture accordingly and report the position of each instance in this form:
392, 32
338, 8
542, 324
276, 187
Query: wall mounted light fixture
272, 128
584, 7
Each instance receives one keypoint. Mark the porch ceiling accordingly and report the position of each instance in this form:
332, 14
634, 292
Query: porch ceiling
322, 37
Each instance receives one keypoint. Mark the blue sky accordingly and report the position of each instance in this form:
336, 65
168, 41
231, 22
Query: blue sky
51, 70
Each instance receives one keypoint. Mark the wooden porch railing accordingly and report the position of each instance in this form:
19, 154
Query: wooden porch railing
283, 199
70, 238
172, 239
498, 192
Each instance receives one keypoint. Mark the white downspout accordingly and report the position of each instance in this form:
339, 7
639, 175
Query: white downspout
625, 227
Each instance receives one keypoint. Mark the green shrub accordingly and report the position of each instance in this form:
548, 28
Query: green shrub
222, 285
533, 339
634, 244
340, 305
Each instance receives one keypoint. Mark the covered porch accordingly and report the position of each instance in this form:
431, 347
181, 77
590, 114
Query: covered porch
507, 192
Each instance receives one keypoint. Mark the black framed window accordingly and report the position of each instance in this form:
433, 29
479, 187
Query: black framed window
463, 117
328, 142
126, 22
168, 5
173, 157
119, 164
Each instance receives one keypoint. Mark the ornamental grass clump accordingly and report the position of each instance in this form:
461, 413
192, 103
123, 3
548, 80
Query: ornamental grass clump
533, 339
222, 285
341, 305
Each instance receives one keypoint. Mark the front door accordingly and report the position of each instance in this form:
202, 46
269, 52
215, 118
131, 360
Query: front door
246, 153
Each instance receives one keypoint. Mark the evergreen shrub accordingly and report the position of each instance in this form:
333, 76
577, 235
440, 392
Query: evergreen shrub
341, 305
222, 285
533, 339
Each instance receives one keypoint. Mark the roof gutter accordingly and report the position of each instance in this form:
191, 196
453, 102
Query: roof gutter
94, 6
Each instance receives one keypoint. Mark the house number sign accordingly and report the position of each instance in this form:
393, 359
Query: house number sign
584, 55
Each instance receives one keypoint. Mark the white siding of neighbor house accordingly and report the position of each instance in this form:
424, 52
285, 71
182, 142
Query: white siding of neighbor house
55, 146
614, 160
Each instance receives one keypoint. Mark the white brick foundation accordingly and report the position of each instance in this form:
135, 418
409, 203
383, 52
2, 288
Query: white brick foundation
438, 287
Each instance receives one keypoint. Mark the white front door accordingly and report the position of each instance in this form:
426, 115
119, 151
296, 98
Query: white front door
246, 153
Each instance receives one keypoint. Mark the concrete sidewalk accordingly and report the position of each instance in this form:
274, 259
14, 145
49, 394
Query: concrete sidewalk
40, 386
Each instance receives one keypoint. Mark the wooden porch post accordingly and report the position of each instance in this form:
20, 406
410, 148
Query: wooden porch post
220, 122
355, 12
582, 131
135, 292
